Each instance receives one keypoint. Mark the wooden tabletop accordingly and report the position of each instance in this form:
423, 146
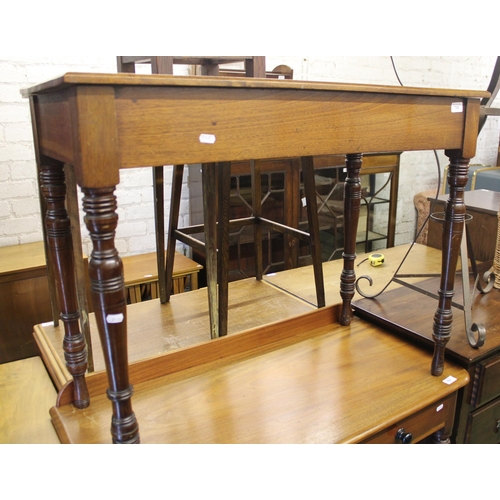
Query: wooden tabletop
26, 396
155, 328
391, 310
163, 120
321, 384
299, 282
121, 79
19, 260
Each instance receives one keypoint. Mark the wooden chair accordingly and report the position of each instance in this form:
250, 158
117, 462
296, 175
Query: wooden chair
216, 191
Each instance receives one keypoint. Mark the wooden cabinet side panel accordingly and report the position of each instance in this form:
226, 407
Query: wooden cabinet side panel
23, 304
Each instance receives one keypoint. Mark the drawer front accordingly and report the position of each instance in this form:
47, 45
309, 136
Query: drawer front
422, 424
486, 381
483, 426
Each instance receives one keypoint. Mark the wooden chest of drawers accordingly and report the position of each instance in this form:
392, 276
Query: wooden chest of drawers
483, 206
436, 417
483, 423
478, 407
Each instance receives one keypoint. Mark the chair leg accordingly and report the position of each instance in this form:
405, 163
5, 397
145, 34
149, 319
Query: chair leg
224, 187
312, 217
257, 213
159, 229
175, 201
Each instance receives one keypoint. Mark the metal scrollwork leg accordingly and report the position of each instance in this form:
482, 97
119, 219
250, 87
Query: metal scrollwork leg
471, 328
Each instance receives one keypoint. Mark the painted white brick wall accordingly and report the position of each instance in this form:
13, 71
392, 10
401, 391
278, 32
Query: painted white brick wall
19, 205
20, 220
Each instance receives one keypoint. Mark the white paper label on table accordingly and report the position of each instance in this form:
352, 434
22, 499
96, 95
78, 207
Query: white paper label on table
207, 138
114, 319
439, 408
457, 107
449, 380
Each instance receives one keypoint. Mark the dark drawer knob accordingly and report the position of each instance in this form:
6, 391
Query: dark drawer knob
403, 437
498, 426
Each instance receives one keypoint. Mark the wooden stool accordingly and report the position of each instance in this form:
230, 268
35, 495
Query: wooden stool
216, 192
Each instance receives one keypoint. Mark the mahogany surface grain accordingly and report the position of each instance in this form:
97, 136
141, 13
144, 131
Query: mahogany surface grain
330, 384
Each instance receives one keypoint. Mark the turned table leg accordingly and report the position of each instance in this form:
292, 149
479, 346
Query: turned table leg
110, 306
453, 228
60, 246
352, 201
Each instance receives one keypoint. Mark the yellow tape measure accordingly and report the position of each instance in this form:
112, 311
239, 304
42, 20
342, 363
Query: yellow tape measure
376, 259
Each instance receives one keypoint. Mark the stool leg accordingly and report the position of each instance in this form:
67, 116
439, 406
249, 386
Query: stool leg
224, 191
159, 211
312, 217
210, 228
352, 200
257, 213
173, 222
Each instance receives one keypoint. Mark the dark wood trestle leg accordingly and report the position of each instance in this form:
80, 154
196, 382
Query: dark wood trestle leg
453, 228
60, 246
352, 202
312, 217
209, 184
223, 207
110, 306
173, 223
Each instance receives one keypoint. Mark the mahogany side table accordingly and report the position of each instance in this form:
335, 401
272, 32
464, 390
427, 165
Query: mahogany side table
99, 123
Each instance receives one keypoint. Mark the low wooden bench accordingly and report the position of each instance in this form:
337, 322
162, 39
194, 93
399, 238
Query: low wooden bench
26, 396
141, 276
